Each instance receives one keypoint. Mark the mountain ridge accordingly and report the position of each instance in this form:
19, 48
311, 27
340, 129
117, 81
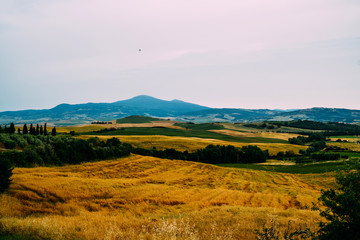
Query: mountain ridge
68, 114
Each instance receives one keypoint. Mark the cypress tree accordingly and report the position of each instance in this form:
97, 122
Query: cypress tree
37, 129
53, 132
31, 129
25, 129
45, 131
19, 131
41, 130
12, 128
0, 129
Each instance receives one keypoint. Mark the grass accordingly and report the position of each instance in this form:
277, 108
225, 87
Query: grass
188, 133
346, 136
149, 198
200, 126
78, 129
138, 119
348, 145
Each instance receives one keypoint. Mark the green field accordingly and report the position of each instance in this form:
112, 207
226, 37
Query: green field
346, 136
138, 119
200, 126
303, 168
186, 133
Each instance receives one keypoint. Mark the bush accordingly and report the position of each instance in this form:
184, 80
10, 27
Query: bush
342, 206
5, 173
9, 144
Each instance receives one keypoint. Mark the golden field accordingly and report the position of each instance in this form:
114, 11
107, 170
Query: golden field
149, 198
352, 146
192, 144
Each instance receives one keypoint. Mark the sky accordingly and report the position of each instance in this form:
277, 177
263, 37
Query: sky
275, 54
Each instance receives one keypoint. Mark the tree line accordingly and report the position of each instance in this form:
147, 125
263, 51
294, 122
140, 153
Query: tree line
32, 130
212, 154
329, 128
49, 150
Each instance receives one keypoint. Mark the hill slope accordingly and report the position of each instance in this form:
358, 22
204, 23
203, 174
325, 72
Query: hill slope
150, 198
257, 115
149, 106
88, 112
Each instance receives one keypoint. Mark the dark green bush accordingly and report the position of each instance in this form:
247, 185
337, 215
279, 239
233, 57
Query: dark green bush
5, 173
9, 144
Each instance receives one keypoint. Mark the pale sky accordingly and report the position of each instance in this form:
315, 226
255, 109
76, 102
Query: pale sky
218, 53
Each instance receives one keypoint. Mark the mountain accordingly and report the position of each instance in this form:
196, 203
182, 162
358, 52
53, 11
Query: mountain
69, 114
87, 112
321, 115
229, 115
257, 115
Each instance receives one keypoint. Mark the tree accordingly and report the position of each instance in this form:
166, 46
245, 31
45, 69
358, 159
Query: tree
12, 128
25, 129
32, 130
5, 173
342, 206
37, 131
53, 131
41, 130
45, 131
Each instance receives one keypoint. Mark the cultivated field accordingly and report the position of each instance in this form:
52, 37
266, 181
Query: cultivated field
149, 198
192, 144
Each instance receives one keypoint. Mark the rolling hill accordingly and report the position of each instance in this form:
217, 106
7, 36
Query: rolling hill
70, 114
64, 114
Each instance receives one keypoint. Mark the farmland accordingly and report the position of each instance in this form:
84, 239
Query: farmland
144, 197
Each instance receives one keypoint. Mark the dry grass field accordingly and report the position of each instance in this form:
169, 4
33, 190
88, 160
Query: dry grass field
149, 198
191, 144
283, 136
349, 145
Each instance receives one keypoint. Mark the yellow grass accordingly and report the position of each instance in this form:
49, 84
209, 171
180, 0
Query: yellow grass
349, 145
83, 128
349, 139
277, 163
283, 136
148, 198
191, 144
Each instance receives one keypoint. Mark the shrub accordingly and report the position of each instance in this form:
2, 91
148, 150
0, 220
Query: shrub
5, 173
9, 144
342, 206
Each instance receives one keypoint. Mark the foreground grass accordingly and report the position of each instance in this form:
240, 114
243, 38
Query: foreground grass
149, 198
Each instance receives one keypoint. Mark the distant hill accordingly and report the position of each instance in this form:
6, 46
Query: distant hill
64, 114
229, 115
257, 115
69, 114
321, 115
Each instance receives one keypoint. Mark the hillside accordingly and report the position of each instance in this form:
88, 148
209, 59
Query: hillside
149, 198
258, 115
71, 114
320, 115
67, 114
